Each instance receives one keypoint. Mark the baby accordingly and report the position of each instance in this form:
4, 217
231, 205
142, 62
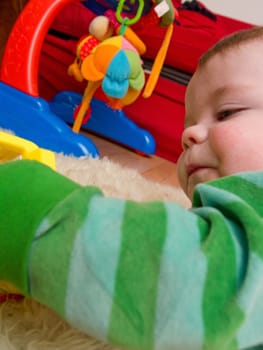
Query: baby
224, 108
154, 275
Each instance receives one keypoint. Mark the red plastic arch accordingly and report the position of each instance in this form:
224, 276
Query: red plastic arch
21, 57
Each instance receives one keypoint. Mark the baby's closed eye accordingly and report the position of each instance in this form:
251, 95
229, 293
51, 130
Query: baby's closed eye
227, 113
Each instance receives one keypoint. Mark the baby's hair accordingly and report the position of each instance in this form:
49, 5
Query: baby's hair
230, 41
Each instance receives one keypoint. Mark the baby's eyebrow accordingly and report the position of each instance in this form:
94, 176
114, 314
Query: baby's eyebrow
230, 88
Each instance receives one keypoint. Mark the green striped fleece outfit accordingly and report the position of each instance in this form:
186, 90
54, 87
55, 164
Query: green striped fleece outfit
139, 275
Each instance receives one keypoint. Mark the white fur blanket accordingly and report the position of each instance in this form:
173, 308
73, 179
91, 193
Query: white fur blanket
26, 325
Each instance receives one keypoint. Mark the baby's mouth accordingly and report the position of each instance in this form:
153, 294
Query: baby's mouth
192, 169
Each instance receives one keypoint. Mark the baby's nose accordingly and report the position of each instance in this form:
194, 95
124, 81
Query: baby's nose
194, 134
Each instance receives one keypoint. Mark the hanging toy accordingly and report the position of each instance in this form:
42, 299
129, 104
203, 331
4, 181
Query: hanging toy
163, 13
99, 30
110, 58
121, 27
109, 61
158, 63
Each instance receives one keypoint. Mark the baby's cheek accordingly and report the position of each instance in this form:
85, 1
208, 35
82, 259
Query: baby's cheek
222, 139
234, 149
180, 171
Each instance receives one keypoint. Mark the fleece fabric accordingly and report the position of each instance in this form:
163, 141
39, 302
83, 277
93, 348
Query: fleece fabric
139, 275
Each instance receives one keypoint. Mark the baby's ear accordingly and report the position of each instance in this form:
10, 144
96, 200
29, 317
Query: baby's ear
165, 11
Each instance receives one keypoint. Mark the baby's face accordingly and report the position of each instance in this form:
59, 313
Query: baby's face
224, 118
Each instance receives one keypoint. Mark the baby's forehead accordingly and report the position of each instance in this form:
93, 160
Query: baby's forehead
221, 72
230, 52
233, 59
233, 42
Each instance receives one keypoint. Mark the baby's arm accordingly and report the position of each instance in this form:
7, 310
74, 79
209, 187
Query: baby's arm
139, 275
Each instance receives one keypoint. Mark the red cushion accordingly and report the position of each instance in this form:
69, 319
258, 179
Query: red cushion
162, 115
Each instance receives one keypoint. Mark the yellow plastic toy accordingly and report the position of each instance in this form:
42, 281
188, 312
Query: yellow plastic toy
13, 148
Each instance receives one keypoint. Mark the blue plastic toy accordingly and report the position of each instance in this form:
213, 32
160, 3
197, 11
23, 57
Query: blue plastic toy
31, 118
104, 121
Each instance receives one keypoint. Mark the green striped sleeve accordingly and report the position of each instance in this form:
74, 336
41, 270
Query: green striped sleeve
154, 275
151, 276
179, 319
233, 309
28, 190
137, 275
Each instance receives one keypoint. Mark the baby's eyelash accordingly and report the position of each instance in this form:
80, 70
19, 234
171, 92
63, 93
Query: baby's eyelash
228, 113
224, 114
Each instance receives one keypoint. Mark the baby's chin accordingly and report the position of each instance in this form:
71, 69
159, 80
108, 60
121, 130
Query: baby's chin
201, 176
